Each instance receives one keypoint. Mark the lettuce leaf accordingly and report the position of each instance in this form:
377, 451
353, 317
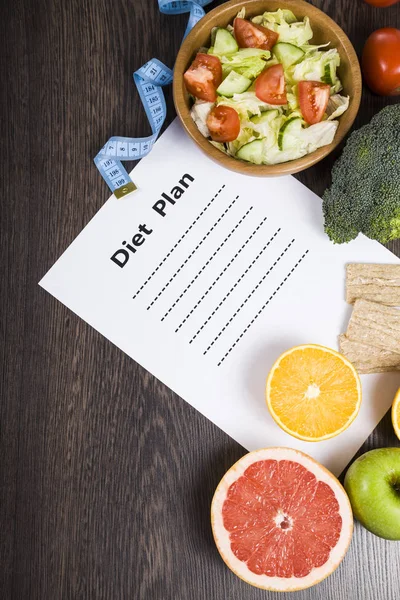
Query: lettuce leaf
308, 140
337, 105
246, 104
199, 113
286, 25
311, 47
292, 98
318, 135
336, 87
313, 66
279, 17
246, 61
269, 128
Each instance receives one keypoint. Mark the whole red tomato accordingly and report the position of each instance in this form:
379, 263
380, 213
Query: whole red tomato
381, 61
382, 3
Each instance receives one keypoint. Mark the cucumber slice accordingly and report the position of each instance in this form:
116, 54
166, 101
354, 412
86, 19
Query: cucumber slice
252, 152
329, 75
234, 83
287, 137
266, 116
287, 54
224, 42
213, 34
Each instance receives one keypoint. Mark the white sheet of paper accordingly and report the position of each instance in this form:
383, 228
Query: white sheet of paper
219, 283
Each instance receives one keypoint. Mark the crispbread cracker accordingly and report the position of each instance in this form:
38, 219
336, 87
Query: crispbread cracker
375, 325
368, 359
378, 283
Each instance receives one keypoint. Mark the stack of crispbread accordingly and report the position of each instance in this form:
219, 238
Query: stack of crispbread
372, 339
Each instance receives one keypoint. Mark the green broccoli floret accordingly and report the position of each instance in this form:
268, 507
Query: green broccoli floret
365, 193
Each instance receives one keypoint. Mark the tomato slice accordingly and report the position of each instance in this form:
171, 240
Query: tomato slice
203, 77
314, 98
223, 123
270, 85
212, 63
250, 35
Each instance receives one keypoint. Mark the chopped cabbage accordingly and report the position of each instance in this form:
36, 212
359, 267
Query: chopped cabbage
336, 87
247, 104
273, 156
199, 114
286, 25
314, 66
307, 48
249, 62
279, 17
269, 129
337, 105
309, 139
292, 98
318, 135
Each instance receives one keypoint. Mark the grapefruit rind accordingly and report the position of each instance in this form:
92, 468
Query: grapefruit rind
221, 535
396, 414
295, 433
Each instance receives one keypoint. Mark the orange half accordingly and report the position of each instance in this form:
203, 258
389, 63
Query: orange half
396, 414
313, 392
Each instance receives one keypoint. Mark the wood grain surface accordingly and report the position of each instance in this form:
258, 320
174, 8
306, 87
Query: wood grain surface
106, 476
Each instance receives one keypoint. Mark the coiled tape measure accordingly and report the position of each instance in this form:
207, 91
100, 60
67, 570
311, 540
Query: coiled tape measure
149, 80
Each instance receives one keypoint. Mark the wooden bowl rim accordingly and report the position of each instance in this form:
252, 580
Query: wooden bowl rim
186, 52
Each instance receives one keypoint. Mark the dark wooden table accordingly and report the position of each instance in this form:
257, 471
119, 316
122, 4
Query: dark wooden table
106, 475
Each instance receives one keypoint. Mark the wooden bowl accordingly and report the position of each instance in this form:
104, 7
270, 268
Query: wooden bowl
325, 30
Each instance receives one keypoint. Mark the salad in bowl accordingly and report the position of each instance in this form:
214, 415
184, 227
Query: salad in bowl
264, 94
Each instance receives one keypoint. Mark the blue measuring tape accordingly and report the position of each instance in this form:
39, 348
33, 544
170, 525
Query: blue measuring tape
149, 80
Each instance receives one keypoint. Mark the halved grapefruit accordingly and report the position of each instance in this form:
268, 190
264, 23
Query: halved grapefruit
281, 521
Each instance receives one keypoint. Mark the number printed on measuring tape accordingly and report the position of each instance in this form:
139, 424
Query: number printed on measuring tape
149, 80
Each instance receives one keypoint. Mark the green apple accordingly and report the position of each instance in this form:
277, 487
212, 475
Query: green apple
373, 485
